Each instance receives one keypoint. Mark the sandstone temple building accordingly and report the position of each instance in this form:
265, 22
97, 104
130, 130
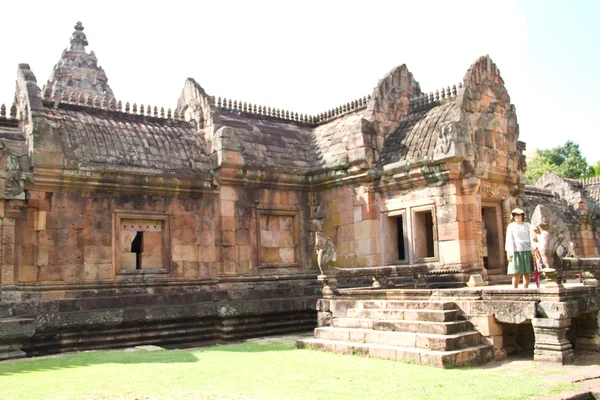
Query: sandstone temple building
127, 223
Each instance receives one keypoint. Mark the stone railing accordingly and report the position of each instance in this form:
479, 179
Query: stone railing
588, 267
109, 103
272, 112
326, 254
425, 101
590, 181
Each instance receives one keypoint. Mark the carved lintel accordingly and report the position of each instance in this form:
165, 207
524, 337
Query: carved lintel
494, 190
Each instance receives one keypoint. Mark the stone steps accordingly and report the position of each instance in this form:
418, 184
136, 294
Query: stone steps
441, 328
409, 305
429, 341
473, 355
404, 314
419, 331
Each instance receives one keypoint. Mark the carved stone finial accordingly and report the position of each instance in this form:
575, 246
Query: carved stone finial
2, 111
78, 38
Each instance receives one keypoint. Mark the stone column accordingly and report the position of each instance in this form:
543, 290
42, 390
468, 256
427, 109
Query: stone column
551, 344
587, 332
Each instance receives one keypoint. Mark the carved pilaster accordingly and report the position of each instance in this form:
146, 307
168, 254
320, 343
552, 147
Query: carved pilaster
551, 344
8, 254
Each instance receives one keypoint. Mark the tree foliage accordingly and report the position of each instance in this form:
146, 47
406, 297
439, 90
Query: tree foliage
565, 161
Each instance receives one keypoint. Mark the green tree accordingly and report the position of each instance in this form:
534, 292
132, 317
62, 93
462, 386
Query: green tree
565, 161
596, 169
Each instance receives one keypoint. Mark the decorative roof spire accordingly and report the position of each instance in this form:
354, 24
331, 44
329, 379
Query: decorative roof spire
77, 72
78, 39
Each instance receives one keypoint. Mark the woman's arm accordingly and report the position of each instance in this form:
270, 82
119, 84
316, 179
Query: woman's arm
509, 246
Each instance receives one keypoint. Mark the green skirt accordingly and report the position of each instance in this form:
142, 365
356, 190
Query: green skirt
521, 263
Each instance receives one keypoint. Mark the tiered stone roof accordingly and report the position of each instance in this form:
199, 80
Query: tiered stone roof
77, 71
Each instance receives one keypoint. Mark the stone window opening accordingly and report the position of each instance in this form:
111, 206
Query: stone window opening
141, 243
397, 239
424, 234
136, 248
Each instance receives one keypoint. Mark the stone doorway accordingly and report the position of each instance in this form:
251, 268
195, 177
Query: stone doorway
492, 238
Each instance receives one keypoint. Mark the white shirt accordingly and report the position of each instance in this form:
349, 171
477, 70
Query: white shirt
517, 237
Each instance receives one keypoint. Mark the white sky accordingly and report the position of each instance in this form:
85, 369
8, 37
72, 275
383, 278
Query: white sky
310, 56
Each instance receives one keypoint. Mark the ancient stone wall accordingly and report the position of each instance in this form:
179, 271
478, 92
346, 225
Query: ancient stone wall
69, 237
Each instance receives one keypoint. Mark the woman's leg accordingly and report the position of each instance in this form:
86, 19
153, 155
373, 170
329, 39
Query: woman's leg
515, 280
526, 279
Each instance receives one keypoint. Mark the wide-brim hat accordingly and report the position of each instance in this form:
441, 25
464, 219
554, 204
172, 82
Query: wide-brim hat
517, 211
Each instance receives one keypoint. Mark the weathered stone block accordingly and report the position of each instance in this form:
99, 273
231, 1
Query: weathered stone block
287, 256
28, 273
152, 260
185, 252
71, 272
39, 219
486, 324
49, 273
128, 260
152, 242
191, 270
97, 254
59, 255
228, 238
42, 256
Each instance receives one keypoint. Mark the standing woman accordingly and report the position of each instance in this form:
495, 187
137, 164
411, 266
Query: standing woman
518, 248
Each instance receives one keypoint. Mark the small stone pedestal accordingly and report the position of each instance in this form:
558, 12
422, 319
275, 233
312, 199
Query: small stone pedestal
551, 344
329, 284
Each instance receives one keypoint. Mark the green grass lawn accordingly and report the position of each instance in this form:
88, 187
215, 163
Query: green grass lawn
256, 370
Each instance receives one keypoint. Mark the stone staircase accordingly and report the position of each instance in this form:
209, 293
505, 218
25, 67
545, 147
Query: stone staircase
418, 331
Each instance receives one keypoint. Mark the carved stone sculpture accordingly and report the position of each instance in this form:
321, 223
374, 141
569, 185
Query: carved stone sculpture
553, 240
450, 141
326, 253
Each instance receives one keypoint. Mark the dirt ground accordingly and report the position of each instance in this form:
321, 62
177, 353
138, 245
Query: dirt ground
585, 372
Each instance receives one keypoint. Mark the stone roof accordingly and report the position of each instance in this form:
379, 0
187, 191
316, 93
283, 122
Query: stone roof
12, 137
266, 142
592, 187
334, 140
97, 137
534, 196
415, 138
